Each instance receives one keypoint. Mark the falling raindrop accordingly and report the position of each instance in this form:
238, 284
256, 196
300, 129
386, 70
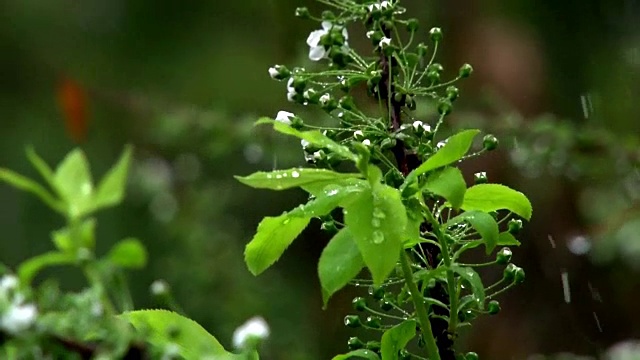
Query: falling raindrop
565, 286
587, 105
579, 245
553, 243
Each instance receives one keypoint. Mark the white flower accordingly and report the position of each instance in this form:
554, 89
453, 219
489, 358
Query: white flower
18, 317
441, 144
317, 51
382, 6
284, 117
385, 42
324, 99
304, 143
254, 329
358, 134
273, 72
366, 142
291, 91
7, 283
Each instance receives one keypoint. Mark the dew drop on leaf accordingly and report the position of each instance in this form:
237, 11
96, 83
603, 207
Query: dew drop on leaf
295, 174
375, 222
378, 237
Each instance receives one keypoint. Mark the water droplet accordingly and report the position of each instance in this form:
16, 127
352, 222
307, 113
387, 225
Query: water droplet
332, 192
295, 174
286, 221
378, 237
375, 222
565, 286
579, 245
379, 213
278, 176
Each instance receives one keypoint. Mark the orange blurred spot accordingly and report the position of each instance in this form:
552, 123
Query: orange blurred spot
72, 100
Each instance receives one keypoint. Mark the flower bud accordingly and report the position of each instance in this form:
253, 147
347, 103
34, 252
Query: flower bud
509, 272
465, 71
437, 67
279, 72
433, 76
480, 177
515, 225
373, 346
354, 343
435, 34
452, 93
445, 107
359, 303
303, 13
519, 276
494, 307
421, 50
352, 321
504, 256
489, 142
412, 25
328, 15
373, 321
377, 292
471, 356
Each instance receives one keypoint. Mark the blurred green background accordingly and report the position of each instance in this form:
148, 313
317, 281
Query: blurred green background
557, 81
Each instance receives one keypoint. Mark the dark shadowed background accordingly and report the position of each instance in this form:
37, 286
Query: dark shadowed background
557, 81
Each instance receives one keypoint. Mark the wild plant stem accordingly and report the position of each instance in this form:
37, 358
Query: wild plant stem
421, 309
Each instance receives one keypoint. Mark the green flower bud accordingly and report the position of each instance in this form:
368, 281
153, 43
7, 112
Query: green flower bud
480, 178
359, 303
279, 72
373, 345
503, 256
509, 272
421, 50
519, 275
373, 321
493, 307
489, 142
436, 67
434, 77
352, 321
347, 103
465, 71
354, 343
328, 226
328, 15
377, 292
388, 143
515, 225
303, 13
452, 92
471, 356
412, 25
435, 34
444, 107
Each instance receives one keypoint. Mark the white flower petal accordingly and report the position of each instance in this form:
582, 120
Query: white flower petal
256, 328
315, 36
317, 53
8, 282
327, 25
273, 72
291, 96
18, 318
284, 117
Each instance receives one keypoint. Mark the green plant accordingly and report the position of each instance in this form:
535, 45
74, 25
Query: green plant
400, 207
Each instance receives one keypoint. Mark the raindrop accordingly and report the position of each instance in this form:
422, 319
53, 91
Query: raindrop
295, 174
587, 105
595, 294
553, 243
379, 213
286, 221
375, 222
253, 153
565, 286
378, 237
579, 245
595, 317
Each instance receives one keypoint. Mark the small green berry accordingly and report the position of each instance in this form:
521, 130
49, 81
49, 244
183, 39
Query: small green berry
509, 272
493, 307
519, 276
354, 343
465, 71
352, 321
435, 34
444, 107
490, 142
504, 256
434, 77
377, 292
452, 93
359, 303
471, 356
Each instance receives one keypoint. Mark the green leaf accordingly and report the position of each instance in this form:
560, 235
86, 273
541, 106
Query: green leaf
129, 254
162, 327
359, 354
73, 182
493, 197
377, 220
320, 187
70, 239
30, 268
339, 263
455, 148
314, 137
291, 178
449, 184
332, 197
506, 239
41, 166
23, 183
483, 223
111, 189
472, 277
273, 237
396, 338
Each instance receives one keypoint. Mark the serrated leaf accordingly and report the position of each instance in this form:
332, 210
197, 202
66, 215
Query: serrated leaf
314, 137
472, 277
358, 354
506, 239
73, 183
339, 263
377, 220
448, 183
273, 237
31, 267
396, 338
493, 197
483, 223
23, 183
111, 189
291, 178
454, 149
162, 327
129, 254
